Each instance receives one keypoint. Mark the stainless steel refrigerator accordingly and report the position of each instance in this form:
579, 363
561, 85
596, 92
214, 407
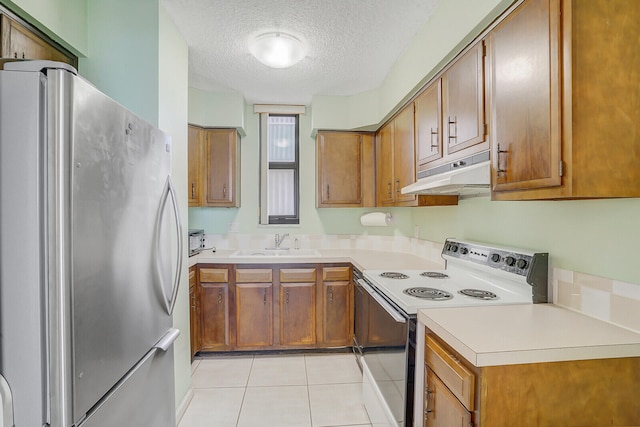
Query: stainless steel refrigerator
88, 276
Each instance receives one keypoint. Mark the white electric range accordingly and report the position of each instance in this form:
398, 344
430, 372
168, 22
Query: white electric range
387, 301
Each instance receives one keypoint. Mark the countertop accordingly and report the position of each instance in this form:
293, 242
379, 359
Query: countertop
362, 259
515, 334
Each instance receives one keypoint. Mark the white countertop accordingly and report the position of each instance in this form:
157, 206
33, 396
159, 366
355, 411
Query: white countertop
361, 259
530, 333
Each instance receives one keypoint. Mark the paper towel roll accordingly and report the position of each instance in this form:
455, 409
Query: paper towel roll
375, 219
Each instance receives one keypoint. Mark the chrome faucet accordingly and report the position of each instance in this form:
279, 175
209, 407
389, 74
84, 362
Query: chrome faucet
280, 240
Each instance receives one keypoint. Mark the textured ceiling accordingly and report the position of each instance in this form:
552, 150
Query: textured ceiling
351, 44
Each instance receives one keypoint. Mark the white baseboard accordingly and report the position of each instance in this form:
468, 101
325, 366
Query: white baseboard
182, 408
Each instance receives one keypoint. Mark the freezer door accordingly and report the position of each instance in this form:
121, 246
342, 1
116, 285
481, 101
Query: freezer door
121, 225
145, 397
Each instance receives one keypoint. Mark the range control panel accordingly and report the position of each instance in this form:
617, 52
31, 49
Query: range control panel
501, 259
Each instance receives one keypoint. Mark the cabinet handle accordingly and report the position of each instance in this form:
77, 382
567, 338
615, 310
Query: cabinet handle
434, 132
328, 194
499, 169
398, 185
219, 296
330, 296
453, 135
428, 409
224, 191
286, 297
389, 188
193, 190
193, 302
264, 297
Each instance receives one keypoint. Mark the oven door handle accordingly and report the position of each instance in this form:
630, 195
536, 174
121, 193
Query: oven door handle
384, 304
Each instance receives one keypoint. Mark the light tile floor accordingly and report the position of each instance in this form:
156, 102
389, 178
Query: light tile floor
311, 390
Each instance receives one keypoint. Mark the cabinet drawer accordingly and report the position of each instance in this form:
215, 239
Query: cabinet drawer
336, 273
459, 379
298, 275
214, 275
254, 275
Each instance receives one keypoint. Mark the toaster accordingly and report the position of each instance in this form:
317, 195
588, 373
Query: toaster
196, 241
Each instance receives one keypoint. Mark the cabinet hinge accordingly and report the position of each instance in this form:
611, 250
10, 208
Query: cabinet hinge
561, 169
484, 50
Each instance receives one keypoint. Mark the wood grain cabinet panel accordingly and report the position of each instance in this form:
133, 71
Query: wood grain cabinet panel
442, 409
195, 155
254, 315
337, 313
194, 313
385, 194
428, 106
214, 303
563, 123
298, 314
345, 169
463, 101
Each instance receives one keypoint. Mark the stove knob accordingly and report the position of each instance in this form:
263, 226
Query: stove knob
495, 257
522, 263
454, 248
510, 261
464, 251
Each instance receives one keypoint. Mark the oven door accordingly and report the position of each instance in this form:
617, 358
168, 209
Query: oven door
381, 334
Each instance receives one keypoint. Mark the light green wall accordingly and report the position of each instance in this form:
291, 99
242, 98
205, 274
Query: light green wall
65, 21
173, 76
452, 26
216, 109
123, 53
313, 221
598, 237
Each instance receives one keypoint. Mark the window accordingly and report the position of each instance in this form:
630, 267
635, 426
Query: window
279, 186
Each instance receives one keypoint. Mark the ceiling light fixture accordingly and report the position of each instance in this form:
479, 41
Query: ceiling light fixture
277, 49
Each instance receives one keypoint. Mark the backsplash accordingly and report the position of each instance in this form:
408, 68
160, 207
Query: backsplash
422, 248
605, 299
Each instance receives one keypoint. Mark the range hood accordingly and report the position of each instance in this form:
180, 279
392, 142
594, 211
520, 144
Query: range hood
465, 177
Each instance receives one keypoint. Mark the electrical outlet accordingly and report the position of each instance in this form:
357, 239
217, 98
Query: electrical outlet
232, 227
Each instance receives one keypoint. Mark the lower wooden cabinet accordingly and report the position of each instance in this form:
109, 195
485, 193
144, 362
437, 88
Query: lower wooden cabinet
297, 307
337, 303
214, 309
442, 409
194, 313
271, 306
254, 308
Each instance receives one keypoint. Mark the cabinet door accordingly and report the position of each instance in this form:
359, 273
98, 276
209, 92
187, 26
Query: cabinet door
404, 160
194, 313
525, 98
336, 310
463, 101
428, 118
384, 166
339, 169
220, 167
442, 409
195, 190
297, 314
214, 307
254, 314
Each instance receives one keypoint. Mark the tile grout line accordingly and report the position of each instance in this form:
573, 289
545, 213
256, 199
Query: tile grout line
244, 394
306, 375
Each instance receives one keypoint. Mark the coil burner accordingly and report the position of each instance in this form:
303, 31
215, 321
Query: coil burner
393, 275
428, 293
434, 275
478, 294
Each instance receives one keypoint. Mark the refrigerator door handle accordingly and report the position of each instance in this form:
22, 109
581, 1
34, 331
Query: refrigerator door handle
167, 339
169, 190
6, 400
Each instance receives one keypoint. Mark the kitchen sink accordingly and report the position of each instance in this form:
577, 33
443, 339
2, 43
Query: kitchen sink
280, 253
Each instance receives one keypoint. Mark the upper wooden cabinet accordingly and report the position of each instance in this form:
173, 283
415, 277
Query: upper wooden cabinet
463, 101
428, 116
18, 41
346, 169
395, 160
195, 165
214, 167
564, 121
